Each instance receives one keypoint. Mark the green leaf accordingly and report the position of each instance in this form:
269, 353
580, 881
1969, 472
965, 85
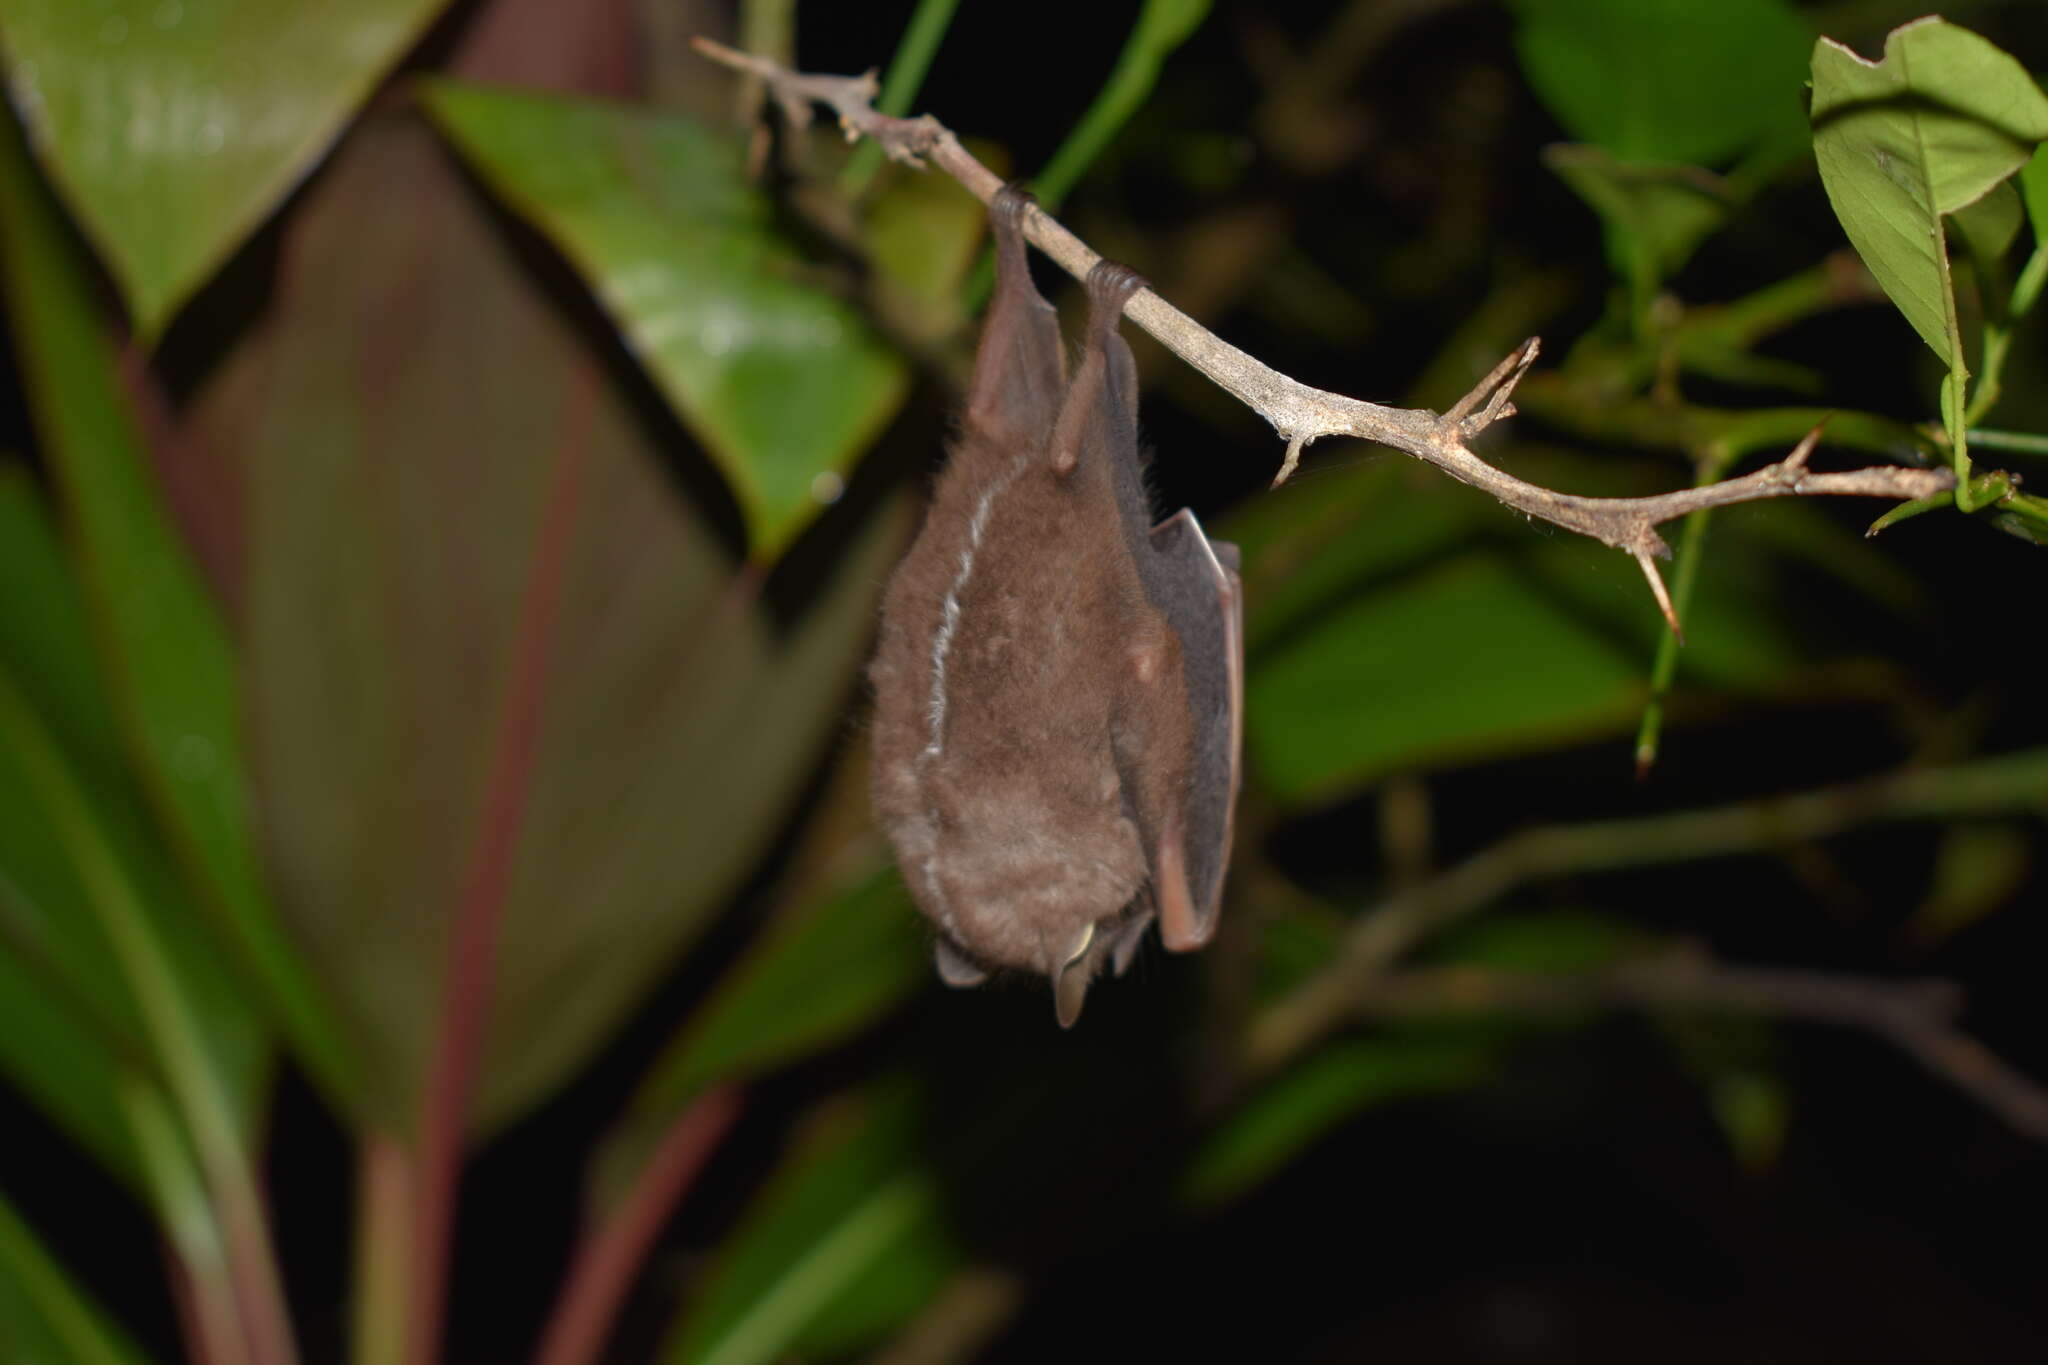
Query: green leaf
170, 673
1315, 1097
453, 506
173, 127
43, 1315
1925, 132
780, 381
1988, 226
1655, 216
847, 1240
1464, 661
2034, 189
818, 974
1666, 80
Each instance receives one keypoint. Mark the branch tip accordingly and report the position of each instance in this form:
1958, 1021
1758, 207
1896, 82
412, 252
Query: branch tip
1294, 445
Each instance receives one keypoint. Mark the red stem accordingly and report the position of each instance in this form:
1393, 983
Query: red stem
472, 946
610, 1253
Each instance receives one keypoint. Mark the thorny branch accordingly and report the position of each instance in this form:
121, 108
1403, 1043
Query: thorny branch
1301, 414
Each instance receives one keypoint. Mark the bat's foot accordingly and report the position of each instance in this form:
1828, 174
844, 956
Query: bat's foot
1110, 286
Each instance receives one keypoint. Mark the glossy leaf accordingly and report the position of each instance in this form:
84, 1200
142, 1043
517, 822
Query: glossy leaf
175, 126
780, 381
1314, 1098
816, 976
1925, 132
44, 1316
1666, 80
846, 1241
453, 506
170, 674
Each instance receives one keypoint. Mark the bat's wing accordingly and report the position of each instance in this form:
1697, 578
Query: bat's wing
956, 969
1194, 584
1019, 371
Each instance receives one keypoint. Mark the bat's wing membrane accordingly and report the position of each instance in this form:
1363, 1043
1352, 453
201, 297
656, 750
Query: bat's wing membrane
1196, 587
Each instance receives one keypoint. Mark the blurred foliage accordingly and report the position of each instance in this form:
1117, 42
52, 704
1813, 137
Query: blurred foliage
451, 511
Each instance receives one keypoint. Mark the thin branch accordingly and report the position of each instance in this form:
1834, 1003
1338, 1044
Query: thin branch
1378, 938
1301, 414
1918, 1017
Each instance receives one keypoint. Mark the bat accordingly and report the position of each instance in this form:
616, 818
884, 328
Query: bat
1058, 683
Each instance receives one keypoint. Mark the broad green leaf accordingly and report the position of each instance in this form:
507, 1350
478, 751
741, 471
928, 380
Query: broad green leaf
780, 381
1466, 660
473, 591
847, 1240
175, 126
170, 673
1666, 80
2034, 189
1988, 226
815, 976
44, 1316
1315, 1097
1925, 132
1654, 215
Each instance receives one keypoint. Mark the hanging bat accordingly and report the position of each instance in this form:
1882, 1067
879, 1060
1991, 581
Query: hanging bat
1058, 683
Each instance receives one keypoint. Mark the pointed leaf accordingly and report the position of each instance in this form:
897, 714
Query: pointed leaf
1927, 131
171, 678
453, 507
779, 380
175, 126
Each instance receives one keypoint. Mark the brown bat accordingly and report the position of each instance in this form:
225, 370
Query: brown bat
1059, 683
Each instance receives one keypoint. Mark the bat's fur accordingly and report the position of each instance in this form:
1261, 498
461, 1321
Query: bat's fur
1033, 735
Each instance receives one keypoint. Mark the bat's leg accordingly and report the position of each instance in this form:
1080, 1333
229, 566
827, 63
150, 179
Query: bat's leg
1100, 413
1020, 368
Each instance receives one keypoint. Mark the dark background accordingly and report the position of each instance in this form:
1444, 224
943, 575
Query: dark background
1583, 1205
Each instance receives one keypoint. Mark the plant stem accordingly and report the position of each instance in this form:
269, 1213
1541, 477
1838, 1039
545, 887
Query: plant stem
914, 54
2022, 442
450, 1080
611, 1253
384, 1182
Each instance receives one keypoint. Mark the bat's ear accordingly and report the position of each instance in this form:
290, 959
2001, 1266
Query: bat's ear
1070, 986
956, 969
1019, 372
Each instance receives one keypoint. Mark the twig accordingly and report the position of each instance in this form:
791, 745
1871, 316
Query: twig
1916, 1016
1301, 414
1379, 937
